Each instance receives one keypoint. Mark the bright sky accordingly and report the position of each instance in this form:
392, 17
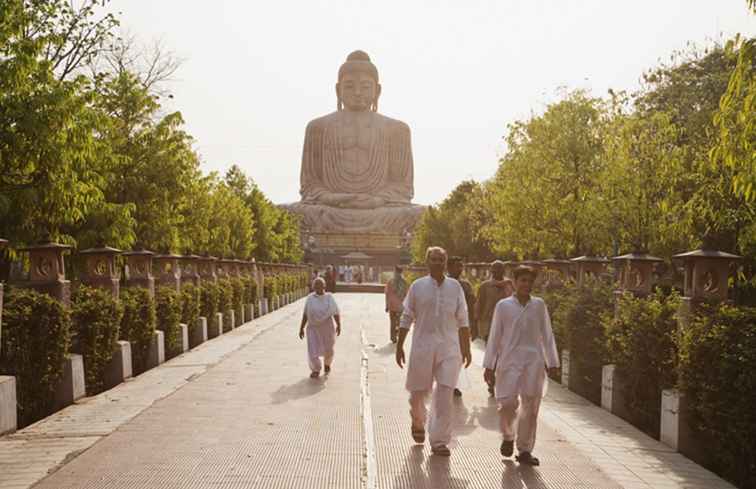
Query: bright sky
457, 72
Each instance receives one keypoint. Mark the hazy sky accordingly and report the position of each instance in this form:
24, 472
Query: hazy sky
457, 72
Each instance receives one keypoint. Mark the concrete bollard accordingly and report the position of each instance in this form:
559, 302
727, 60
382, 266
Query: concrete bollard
230, 320
612, 395
264, 306
249, 312
566, 368
8, 415
675, 429
215, 328
198, 334
72, 385
156, 352
184, 337
119, 368
239, 316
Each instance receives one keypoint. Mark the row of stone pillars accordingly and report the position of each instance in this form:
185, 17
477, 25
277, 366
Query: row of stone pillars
47, 275
706, 277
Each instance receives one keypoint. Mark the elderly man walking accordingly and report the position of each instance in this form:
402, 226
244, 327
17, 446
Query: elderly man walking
395, 291
440, 344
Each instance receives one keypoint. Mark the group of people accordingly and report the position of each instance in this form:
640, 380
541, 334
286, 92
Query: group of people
446, 316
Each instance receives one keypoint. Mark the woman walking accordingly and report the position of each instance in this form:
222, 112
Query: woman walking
319, 315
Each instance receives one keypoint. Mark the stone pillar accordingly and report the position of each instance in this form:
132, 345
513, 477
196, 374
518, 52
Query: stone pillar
138, 271
8, 415
184, 338
706, 279
265, 305
636, 272
72, 386
100, 269
230, 318
612, 392
190, 269
566, 368
48, 272
3, 243
168, 270
586, 266
198, 334
119, 368
215, 328
156, 352
249, 312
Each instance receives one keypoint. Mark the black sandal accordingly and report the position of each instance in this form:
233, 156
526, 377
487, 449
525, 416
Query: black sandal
526, 458
315, 375
418, 434
441, 450
327, 369
507, 448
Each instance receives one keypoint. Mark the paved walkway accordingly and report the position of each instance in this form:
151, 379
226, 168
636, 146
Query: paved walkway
240, 412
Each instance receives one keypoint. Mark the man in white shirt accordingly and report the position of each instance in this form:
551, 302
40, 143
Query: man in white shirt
440, 344
522, 340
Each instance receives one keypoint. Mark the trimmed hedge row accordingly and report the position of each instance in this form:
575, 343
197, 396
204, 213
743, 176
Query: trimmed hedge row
138, 324
36, 340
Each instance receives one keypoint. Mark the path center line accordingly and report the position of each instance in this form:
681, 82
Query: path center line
369, 469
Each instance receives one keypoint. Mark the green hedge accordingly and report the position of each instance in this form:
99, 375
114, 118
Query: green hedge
36, 341
168, 309
579, 322
96, 318
190, 304
237, 297
641, 342
138, 324
716, 372
225, 295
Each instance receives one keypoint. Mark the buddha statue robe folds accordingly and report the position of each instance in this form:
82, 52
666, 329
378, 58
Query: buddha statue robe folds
357, 170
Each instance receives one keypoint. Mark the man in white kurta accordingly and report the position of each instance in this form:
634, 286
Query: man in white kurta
440, 343
522, 341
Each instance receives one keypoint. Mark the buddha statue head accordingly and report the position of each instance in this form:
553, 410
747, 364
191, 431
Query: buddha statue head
357, 89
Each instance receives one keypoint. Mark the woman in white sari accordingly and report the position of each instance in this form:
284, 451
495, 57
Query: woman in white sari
319, 315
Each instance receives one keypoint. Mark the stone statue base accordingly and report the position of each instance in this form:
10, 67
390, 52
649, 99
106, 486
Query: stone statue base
385, 220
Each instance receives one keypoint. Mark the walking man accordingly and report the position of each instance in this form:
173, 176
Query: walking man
455, 268
490, 293
396, 291
523, 342
440, 344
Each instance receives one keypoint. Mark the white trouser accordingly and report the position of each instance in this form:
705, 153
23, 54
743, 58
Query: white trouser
315, 364
527, 423
441, 416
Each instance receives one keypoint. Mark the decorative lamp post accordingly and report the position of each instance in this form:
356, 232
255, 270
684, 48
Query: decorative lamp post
101, 270
168, 270
636, 272
138, 270
558, 271
509, 267
48, 271
208, 268
589, 266
707, 273
190, 269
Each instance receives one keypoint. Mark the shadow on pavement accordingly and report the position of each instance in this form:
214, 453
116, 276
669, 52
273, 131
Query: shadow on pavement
304, 388
419, 472
517, 476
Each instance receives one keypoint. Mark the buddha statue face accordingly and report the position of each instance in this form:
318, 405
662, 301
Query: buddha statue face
358, 89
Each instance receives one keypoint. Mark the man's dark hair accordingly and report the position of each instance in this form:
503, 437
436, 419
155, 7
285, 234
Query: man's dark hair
454, 260
524, 270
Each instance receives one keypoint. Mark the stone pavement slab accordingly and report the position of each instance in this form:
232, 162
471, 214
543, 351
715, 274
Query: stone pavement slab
240, 411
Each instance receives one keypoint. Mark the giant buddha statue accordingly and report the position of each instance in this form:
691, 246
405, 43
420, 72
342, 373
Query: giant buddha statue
357, 174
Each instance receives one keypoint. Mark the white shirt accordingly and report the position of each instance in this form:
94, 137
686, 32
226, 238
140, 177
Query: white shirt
438, 311
521, 329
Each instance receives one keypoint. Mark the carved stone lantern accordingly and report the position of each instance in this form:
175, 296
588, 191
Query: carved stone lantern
101, 270
138, 271
589, 266
636, 272
48, 271
535, 265
224, 268
557, 271
706, 273
190, 269
236, 268
208, 268
168, 270
509, 267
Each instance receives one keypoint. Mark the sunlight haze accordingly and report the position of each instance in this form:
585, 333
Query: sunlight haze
457, 72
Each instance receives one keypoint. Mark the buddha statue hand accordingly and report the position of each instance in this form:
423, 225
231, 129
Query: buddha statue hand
352, 201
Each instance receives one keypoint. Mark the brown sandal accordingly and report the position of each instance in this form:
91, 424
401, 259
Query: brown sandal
418, 434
